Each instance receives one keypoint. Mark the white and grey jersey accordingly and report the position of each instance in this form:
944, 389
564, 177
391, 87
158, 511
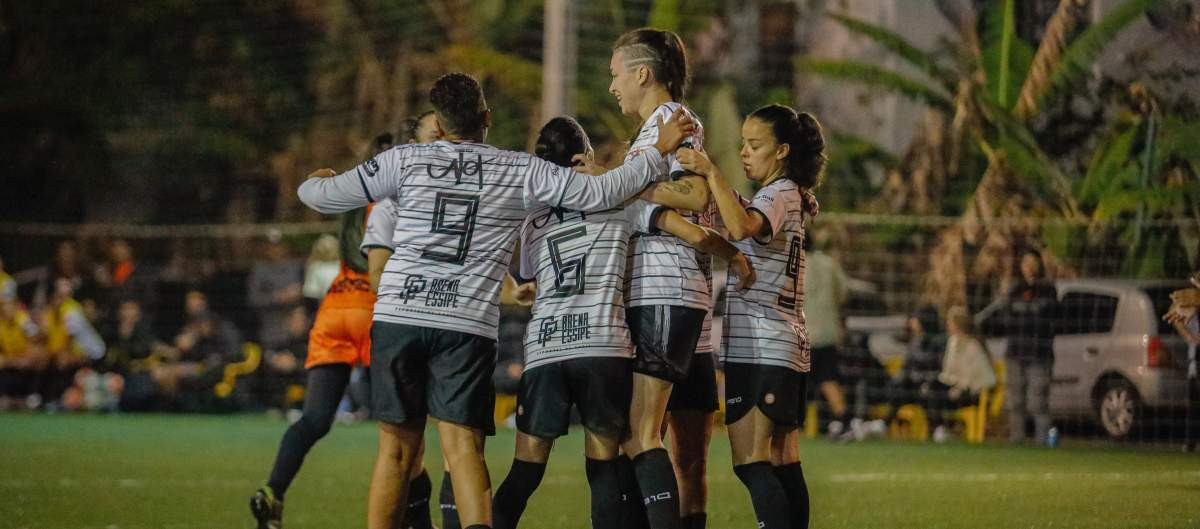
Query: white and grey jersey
578, 261
664, 270
765, 324
458, 208
381, 226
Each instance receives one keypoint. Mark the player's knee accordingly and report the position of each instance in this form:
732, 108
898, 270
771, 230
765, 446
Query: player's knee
458, 445
640, 442
692, 468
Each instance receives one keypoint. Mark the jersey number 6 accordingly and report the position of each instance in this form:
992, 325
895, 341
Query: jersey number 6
453, 214
568, 274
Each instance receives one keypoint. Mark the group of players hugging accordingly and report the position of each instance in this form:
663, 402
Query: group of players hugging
618, 263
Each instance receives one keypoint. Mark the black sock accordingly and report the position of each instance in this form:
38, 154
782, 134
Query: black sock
606, 494
447, 505
695, 520
322, 393
770, 502
660, 491
791, 477
416, 515
633, 511
509, 502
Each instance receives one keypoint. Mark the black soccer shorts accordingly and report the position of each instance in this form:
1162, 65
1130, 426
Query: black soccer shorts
419, 371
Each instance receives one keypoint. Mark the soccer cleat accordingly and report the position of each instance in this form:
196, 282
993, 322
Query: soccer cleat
267, 510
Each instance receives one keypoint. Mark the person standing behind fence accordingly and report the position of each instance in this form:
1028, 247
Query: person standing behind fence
1183, 315
275, 287
824, 293
1030, 313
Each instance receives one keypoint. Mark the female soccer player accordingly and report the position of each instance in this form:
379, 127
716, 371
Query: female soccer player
339, 339
766, 351
577, 347
460, 203
668, 299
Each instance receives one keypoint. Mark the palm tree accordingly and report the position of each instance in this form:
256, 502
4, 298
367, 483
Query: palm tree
987, 93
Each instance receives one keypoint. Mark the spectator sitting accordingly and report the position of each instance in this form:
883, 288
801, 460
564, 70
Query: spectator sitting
205, 344
68, 265
966, 373
124, 278
8, 286
21, 361
70, 340
275, 288
123, 376
283, 364
922, 361
324, 264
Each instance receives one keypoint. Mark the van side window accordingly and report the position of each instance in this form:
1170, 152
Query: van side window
1086, 313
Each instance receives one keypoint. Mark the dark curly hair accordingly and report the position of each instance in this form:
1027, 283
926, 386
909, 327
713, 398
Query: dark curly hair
802, 133
560, 140
458, 101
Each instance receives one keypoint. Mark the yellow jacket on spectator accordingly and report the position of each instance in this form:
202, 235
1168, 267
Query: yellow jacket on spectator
8, 288
67, 330
16, 330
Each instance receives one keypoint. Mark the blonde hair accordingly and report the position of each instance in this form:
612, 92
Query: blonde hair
961, 319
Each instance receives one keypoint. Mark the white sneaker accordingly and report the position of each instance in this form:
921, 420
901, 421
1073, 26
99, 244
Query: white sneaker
859, 427
835, 428
940, 434
877, 428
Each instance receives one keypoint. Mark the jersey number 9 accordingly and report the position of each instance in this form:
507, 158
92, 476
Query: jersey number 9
453, 214
792, 271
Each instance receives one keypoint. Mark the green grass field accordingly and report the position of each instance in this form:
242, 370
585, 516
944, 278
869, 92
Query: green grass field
133, 472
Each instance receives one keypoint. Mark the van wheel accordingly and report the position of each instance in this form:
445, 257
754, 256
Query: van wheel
1119, 407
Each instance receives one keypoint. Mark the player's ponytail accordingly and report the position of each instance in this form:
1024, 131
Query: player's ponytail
663, 52
560, 140
806, 143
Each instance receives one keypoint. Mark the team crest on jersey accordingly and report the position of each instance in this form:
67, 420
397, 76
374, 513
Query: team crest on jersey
372, 167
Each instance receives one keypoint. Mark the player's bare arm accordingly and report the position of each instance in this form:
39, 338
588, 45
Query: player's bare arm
710, 242
689, 193
377, 258
741, 223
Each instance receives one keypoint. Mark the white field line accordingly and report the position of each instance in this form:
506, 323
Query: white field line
986, 477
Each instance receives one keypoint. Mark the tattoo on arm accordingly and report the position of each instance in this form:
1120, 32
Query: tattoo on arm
677, 187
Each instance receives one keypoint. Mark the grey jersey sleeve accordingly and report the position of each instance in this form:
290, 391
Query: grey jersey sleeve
381, 227
552, 185
371, 180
